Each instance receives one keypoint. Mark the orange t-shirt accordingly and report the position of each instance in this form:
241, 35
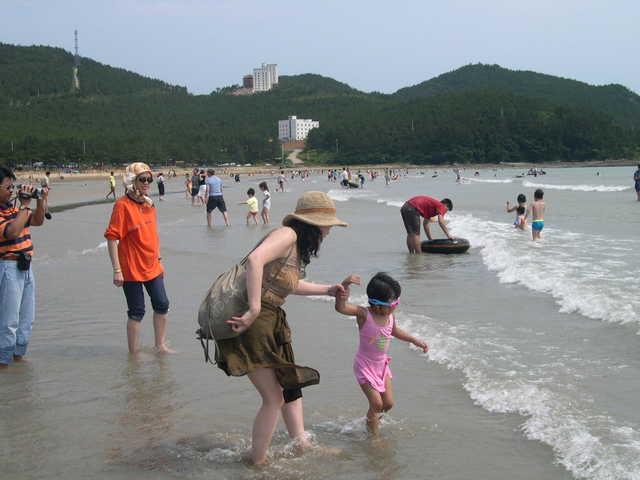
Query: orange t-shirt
135, 226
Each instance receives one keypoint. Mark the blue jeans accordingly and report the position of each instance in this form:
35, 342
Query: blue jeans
135, 297
17, 309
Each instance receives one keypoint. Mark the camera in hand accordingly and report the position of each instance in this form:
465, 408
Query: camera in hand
36, 193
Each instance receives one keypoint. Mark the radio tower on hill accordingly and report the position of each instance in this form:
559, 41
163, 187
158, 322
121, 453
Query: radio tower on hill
75, 81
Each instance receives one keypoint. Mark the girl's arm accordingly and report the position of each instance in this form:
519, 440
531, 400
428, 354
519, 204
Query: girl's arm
405, 337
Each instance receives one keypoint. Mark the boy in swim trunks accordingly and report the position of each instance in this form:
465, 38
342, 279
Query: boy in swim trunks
537, 210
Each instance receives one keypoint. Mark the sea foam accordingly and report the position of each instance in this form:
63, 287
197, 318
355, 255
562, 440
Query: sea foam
577, 188
561, 265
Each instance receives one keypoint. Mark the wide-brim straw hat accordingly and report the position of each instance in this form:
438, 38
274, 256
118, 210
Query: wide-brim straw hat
315, 208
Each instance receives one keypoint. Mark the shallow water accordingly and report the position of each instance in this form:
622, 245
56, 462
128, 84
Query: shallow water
532, 373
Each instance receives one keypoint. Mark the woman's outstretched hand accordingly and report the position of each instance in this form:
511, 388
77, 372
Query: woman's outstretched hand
336, 290
242, 323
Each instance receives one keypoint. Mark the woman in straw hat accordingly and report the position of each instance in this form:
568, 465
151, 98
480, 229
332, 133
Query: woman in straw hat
134, 248
263, 350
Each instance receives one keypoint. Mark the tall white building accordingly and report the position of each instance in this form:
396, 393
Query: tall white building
295, 128
265, 77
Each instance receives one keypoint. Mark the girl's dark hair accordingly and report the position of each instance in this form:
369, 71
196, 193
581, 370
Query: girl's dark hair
383, 287
522, 198
264, 186
308, 242
251, 191
520, 210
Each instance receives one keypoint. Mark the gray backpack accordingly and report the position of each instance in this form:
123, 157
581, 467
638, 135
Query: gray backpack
226, 298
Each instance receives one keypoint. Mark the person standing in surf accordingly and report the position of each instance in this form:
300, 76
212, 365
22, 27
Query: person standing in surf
133, 244
263, 350
376, 325
636, 179
522, 202
537, 211
425, 207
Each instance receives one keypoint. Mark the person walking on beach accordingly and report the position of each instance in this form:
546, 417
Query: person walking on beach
161, 186
195, 186
213, 192
263, 350
281, 179
17, 285
425, 207
112, 186
636, 179
187, 186
266, 202
134, 249
537, 211
376, 325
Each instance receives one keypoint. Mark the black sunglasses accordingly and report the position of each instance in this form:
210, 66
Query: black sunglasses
145, 179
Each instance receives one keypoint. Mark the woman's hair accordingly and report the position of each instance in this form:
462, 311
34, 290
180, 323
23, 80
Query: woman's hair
263, 186
383, 287
522, 198
308, 242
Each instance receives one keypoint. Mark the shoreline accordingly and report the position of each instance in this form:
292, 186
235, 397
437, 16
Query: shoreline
272, 170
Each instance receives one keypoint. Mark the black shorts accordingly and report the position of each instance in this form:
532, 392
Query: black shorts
194, 191
216, 201
411, 218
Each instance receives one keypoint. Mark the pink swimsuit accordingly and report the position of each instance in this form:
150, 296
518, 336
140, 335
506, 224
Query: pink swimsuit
371, 364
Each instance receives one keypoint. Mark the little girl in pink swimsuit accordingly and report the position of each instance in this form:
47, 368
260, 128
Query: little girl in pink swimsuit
377, 325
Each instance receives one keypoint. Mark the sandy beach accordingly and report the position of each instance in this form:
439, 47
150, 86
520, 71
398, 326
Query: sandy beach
509, 389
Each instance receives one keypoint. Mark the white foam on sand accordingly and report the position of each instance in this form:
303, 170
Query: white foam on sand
577, 188
561, 265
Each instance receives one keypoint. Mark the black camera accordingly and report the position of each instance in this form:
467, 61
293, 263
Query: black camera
36, 193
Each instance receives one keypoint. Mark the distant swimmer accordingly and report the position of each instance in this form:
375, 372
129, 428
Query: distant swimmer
636, 179
425, 207
537, 211
522, 202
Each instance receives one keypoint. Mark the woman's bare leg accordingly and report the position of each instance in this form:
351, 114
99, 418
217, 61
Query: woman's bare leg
264, 380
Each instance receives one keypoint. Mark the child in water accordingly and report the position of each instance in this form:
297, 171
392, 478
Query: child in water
522, 202
537, 210
521, 219
266, 202
252, 204
376, 324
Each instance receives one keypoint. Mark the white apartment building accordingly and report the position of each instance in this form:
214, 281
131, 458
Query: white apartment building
295, 128
265, 77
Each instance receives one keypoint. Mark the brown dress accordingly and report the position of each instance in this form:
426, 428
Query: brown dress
267, 342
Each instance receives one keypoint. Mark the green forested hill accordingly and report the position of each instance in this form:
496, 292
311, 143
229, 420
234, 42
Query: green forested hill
615, 100
38, 70
125, 117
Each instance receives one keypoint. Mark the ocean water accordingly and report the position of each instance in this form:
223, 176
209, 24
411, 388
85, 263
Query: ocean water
533, 369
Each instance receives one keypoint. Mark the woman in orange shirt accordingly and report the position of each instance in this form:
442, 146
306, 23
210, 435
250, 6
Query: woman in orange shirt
134, 249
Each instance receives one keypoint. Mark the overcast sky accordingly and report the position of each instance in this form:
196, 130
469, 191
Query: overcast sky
369, 44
